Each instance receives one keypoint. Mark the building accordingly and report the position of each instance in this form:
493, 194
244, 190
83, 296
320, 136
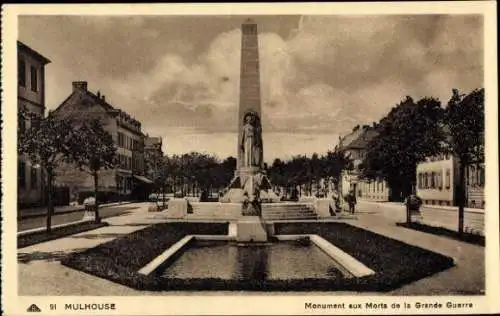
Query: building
438, 178
30, 97
153, 145
354, 146
152, 153
128, 179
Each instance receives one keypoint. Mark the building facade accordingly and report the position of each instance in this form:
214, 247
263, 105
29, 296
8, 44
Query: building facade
438, 178
354, 146
31, 98
127, 179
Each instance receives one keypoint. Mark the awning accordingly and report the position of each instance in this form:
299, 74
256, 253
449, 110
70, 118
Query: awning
143, 179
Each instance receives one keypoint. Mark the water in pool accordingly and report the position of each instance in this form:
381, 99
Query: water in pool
226, 260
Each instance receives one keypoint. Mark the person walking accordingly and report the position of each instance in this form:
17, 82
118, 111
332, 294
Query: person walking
413, 203
351, 201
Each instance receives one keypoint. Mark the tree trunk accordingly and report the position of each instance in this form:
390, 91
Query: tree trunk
163, 195
50, 206
408, 214
96, 191
461, 198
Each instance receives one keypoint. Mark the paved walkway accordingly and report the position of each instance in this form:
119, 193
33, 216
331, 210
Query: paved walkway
437, 216
40, 272
42, 211
467, 277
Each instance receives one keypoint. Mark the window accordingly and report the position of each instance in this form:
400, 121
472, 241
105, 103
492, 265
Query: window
34, 178
120, 139
34, 79
481, 175
440, 180
447, 179
419, 180
473, 175
21, 72
433, 180
21, 174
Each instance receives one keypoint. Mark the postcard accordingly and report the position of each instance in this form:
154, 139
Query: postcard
250, 159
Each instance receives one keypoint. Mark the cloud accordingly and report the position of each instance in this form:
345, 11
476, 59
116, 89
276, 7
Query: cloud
320, 77
328, 73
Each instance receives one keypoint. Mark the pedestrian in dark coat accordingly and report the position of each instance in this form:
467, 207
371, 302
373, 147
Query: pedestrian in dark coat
351, 201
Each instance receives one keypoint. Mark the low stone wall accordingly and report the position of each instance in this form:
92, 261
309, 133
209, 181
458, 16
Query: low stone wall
214, 210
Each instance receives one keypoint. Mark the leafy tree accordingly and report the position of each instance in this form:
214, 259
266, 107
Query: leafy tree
334, 163
95, 151
48, 142
154, 163
465, 123
410, 132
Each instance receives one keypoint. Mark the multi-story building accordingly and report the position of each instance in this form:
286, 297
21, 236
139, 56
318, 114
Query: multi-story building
354, 146
153, 145
438, 178
30, 97
127, 179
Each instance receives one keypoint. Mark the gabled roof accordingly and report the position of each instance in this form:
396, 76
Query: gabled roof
358, 139
363, 139
108, 107
23, 47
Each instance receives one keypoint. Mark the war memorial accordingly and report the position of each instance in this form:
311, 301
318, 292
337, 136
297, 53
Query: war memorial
249, 239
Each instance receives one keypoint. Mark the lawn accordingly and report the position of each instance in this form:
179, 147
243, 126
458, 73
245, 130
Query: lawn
395, 263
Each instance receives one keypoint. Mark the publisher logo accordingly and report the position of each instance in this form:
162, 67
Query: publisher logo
33, 309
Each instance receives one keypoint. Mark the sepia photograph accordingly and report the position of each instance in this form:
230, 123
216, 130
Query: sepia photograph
338, 160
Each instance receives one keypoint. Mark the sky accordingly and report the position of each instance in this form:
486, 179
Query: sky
320, 75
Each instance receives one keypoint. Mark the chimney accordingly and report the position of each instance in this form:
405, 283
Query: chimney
103, 98
98, 94
80, 85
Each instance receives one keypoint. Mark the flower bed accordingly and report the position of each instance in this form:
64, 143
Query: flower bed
395, 263
119, 260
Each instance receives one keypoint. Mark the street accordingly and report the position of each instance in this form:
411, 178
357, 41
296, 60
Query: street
104, 212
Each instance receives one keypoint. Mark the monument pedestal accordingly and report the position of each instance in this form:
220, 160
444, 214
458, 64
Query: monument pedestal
177, 208
251, 229
245, 180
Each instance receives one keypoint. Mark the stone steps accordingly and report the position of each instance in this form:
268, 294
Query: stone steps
291, 211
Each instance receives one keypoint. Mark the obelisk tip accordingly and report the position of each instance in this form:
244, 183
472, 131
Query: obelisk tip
249, 21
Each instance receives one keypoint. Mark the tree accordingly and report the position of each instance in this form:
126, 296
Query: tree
334, 163
95, 151
465, 124
48, 142
154, 163
406, 136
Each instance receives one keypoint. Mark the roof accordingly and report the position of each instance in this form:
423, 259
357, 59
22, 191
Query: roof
363, 140
149, 141
108, 107
23, 47
358, 139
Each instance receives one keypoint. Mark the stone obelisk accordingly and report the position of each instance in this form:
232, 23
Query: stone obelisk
249, 84
249, 180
